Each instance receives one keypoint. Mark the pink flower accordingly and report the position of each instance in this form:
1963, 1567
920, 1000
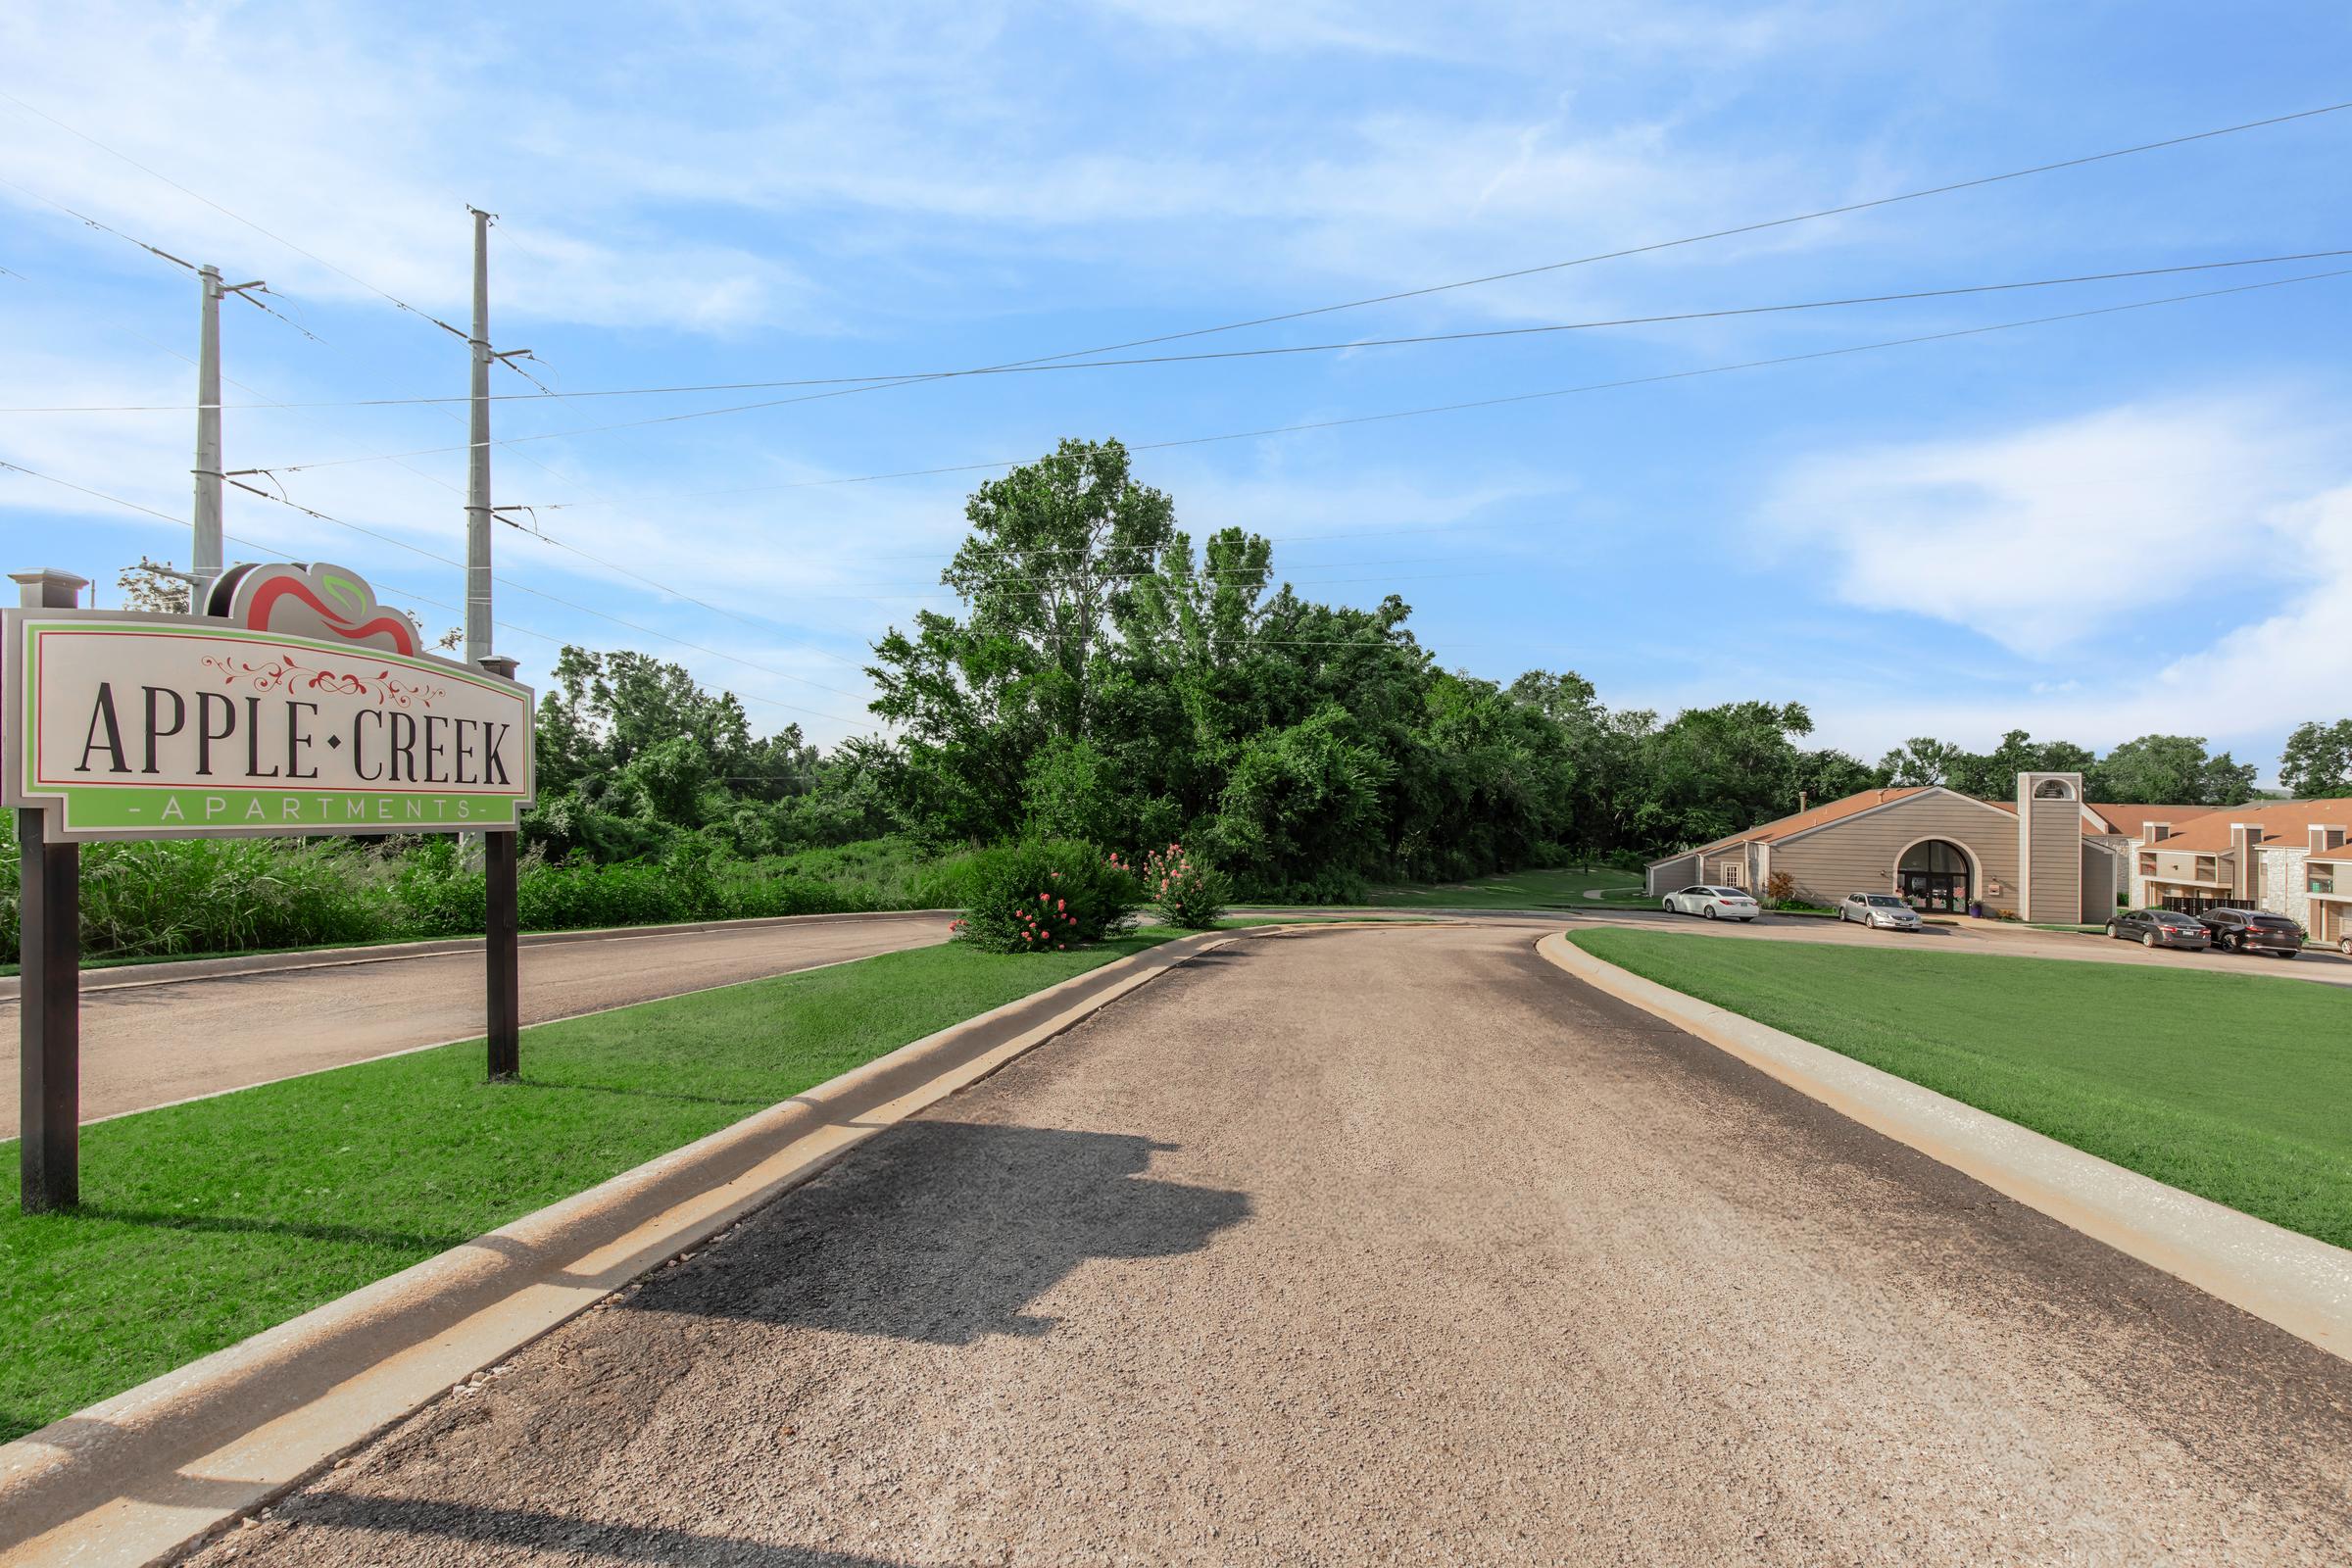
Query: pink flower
1061, 904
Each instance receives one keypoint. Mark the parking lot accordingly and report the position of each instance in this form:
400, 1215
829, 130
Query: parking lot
1961, 934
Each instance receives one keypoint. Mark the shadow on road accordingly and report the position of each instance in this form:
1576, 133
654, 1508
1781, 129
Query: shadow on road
531, 1529
944, 1232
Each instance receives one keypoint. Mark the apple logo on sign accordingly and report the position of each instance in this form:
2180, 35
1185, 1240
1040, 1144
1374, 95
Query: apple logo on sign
317, 601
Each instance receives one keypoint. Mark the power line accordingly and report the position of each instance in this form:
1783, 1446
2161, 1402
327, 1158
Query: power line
1842, 210
1601, 386
555, 599
283, 553
276, 404
246, 292
1415, 413
1272, 351
424, 316
1439, 337
1715, 234
1518, 397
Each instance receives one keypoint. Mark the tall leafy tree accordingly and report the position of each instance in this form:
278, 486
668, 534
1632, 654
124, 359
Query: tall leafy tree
1055, 558
2318, 760
2171, 769
1923, 760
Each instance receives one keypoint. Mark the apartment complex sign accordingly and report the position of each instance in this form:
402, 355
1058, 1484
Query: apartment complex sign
303, 708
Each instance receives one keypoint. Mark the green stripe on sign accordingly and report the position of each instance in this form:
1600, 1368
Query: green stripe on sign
164, 810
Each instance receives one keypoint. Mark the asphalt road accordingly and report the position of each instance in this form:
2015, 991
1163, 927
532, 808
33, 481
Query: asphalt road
1372, 1245
148, 1045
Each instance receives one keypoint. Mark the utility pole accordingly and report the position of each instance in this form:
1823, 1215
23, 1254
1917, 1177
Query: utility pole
477, 455
204, 559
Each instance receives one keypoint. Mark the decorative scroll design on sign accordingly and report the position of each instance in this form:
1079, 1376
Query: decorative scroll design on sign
283, 674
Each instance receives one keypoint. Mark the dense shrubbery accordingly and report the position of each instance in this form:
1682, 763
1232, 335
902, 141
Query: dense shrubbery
198, 896
1043, 896
219, 895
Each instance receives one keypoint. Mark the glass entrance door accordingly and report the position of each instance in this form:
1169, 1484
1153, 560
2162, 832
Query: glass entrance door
1937, 892
1934, 876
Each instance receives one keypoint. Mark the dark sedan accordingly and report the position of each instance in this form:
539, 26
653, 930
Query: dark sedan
2160, 928
2253, 931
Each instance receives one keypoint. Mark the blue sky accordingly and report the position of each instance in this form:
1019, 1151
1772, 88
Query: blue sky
2090, 529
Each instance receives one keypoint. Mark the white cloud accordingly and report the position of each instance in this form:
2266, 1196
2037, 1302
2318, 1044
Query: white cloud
361, 141
2241, 691
339, 140
2045, 539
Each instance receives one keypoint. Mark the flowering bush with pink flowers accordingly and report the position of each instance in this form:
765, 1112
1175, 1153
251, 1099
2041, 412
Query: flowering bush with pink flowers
1183, 890
1044, 897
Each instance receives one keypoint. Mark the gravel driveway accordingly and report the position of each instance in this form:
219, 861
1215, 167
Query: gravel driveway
1373, 1245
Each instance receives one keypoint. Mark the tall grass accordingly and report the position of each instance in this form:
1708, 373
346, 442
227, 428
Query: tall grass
202, 896
144, 900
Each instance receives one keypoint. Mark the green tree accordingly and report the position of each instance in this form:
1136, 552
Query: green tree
1923, 760
2318, 760
2172, 770
1714, 771
1993, 775
1057, 556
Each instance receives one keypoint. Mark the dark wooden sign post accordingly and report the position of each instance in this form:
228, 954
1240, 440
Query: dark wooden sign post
49, 967
501, 934
295, 705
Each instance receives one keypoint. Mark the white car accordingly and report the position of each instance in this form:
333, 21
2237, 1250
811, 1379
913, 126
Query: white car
1882, 910
1712, 904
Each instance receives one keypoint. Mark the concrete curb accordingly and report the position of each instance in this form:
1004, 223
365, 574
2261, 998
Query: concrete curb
145, 1473
124, 977
2298, 1283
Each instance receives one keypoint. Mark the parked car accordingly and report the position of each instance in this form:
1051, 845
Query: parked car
1713, 904
1883, 910
2253, 931
2160, 928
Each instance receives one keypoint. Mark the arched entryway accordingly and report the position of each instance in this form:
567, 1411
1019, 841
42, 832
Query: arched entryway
1935, 874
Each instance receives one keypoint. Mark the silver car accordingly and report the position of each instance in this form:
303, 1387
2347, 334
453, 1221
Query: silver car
1712, 904
1882, 912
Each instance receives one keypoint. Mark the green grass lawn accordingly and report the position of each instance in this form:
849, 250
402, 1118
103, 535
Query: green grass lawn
1555, 889
204, 1223
2233, 1087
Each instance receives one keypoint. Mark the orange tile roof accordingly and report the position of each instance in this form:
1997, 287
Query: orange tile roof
2283, 824
2127, 818
1814, 817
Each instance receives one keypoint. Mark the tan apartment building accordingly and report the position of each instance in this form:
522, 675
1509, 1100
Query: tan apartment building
2044, 855
2327, 893
2287, 857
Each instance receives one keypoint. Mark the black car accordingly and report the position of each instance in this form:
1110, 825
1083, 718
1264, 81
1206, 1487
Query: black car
2160, 928
2253, 931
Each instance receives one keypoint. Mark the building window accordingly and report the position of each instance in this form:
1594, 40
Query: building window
2053, 789
2323, 879
2208, 869
2148, 865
